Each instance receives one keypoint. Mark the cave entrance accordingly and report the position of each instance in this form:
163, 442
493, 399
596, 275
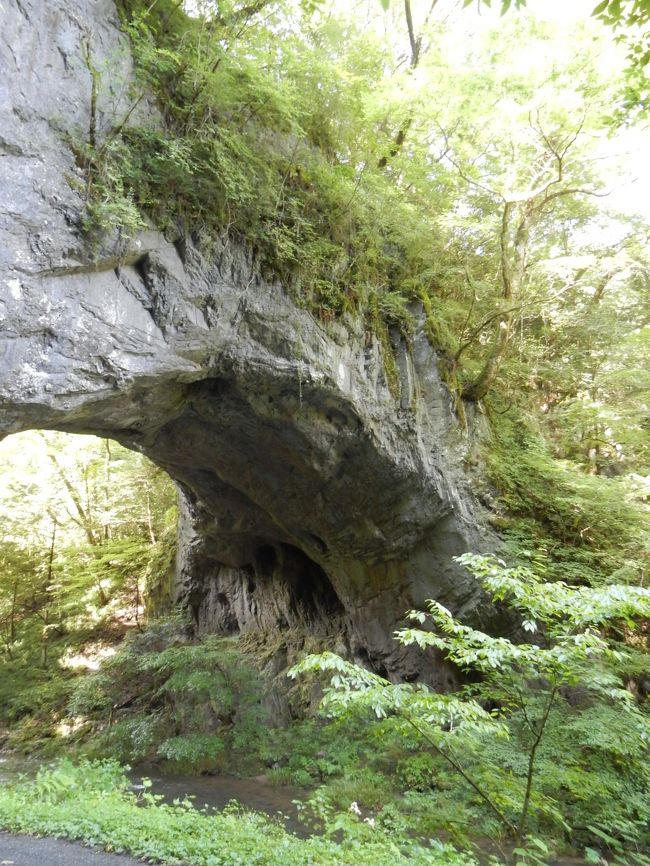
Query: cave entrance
303, 592
281, 588
87, 542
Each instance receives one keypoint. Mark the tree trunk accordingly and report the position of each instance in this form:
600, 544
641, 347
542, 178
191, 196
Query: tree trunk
46, 612
416, 47
84, 520
12, 618
514, 248
478, 389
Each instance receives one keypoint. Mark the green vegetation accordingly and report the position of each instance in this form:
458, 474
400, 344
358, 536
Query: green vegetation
587, 528
532, 739
196, 707
546, 751
630, 20
88, 530
92, 802
199, 708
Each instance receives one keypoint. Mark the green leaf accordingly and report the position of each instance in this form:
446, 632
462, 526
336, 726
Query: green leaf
600, 8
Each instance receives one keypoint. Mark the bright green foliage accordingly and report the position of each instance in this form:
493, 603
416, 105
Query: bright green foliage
488, 211
92, 802
546, 753
306, 753
88, 527
198, 707
261, 139
630, 19
375, 188
589, 528
197, 751
195, 705
418, 772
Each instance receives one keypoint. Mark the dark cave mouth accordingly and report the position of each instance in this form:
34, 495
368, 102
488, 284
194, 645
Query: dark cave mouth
309, 593
281, 588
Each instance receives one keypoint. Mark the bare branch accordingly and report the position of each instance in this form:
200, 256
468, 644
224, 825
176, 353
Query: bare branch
470, 180
415, 42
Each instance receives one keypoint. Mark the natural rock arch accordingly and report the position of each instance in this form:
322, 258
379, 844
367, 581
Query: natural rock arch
308, 492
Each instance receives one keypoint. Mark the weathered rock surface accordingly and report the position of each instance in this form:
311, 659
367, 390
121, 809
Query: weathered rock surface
310, 495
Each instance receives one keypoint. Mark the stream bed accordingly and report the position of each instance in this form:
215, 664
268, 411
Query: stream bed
215, 792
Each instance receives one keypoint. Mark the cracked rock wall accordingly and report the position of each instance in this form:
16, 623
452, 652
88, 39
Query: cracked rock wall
310, 496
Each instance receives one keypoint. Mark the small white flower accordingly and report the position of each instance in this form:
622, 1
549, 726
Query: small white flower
370, 821
354, 808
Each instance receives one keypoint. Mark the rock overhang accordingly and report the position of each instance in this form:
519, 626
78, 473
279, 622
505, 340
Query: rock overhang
292, 454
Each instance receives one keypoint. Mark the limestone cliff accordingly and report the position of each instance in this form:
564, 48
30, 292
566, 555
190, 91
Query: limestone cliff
310, 494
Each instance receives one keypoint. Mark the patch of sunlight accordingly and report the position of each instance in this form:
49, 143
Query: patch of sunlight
70, 726
89, 659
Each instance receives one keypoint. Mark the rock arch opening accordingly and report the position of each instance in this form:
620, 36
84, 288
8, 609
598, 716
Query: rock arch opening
280, 430
109, 514
281, 434
297, 507
87, 541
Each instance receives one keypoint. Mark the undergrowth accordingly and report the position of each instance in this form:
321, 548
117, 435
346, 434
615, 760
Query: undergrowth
201, 706
193, 706
197, 706
92, 802
585, 528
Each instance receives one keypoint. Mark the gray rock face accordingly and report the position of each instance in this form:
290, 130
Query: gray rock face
310, 495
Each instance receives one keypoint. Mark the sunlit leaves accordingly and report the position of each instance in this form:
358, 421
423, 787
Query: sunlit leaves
630, 20
87, 526
524, 680
505, 4
354, 688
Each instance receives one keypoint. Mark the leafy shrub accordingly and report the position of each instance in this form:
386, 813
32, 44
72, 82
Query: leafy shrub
65, 780
418, 772
132, 738
370, 789
194, 704
533, 758
196, 752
